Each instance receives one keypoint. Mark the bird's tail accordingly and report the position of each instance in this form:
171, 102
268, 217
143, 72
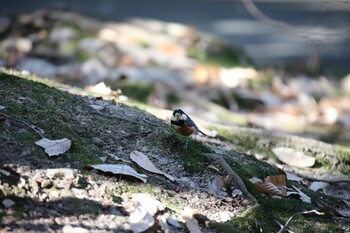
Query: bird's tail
202, 132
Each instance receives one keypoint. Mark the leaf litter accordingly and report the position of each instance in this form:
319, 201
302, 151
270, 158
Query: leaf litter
96, 188
143, 161
121, 169
54, 147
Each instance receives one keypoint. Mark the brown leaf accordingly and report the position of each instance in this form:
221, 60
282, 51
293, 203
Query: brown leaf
269, 188
273, 185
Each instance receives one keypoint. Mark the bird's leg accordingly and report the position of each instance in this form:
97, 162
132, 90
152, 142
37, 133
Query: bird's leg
186, 144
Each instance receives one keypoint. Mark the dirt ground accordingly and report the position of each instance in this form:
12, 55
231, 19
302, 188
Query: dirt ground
63, 194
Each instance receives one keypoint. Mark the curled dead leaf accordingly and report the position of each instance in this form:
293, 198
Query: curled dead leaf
273, 185
54, 147
302, 196
143, 161
120, 169
190, 221
139, 219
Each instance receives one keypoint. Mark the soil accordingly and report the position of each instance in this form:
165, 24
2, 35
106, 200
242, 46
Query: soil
63, 194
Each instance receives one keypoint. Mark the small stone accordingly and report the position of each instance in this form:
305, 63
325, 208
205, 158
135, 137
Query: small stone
224, 216
103, 158
80, 193
8, 203
62, 34
70, 229
20, 44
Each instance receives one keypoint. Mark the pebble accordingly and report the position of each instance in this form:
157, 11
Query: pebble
70, 229
8, 203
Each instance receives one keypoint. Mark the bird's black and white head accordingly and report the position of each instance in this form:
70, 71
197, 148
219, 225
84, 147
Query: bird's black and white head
178, 116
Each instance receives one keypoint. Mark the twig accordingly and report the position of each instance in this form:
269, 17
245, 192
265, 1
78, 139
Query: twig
33, 127
136, 134
233, 174
304, 212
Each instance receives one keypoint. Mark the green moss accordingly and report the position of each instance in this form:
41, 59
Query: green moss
130, 188
238, 225
137, 91
271, 210
193, 161
172, 99
51, 110
219, 53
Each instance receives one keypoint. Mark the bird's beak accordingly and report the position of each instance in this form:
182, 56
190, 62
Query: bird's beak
177, 116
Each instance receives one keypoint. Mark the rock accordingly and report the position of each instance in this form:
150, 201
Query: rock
345, 84
91, 45
62, 34
95, 71
38, 66
8, 203
23, 45
70, 229
238, 76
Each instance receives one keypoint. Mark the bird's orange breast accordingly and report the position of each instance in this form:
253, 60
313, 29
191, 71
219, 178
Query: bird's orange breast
185, 130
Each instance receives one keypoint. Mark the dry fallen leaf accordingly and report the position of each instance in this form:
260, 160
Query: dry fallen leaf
120, 169
294, 177
269, 188
162, 221
100, 89
140, 219
54, 147
314, 186
293, 157
143, 161
302, 196
273, 185
146, 208
173, 222
191, 222
148, 202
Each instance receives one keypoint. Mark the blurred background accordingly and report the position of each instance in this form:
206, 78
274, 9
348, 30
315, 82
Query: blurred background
273, 64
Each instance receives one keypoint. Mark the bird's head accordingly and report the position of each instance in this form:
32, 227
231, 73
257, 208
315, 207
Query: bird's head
178, 115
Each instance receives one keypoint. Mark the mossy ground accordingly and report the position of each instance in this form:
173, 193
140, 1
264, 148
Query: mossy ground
63, 115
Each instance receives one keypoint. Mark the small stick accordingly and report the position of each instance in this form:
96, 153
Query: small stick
136, 134
33, 127
230, 172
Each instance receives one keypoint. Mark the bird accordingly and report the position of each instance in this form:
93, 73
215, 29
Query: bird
184, 125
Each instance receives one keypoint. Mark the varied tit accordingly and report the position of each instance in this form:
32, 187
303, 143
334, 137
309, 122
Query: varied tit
184, 125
